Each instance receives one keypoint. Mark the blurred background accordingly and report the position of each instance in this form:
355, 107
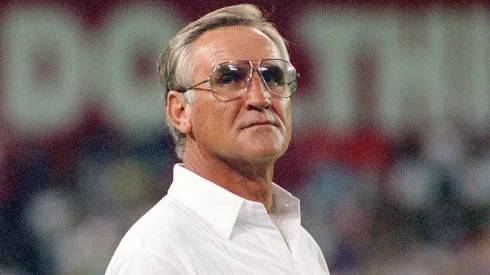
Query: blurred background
390, 154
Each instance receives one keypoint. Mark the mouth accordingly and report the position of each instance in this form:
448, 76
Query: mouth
265, 119
260, 123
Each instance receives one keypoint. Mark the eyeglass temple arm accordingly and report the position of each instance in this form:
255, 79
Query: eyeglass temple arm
194, 86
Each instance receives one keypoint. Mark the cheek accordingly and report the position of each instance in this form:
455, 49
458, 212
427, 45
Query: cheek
202, 120
212, 119
284, 111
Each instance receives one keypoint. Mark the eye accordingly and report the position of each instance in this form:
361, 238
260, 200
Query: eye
273, 75
230, 75
227, 78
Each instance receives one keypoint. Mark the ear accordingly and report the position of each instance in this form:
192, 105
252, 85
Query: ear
178, 112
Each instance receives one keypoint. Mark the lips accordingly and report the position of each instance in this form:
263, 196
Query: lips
259, 122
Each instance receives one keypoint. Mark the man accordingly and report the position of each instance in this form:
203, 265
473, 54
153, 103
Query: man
227, 86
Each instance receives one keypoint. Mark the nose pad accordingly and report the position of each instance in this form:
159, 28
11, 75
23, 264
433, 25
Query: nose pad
257, 77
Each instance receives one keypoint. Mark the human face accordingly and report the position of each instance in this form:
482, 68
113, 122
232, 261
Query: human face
254, 127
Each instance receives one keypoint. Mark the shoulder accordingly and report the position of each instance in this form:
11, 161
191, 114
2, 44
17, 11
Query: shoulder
306, 236
141, 260
156, 243
307, 242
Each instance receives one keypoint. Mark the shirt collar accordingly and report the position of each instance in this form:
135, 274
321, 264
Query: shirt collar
213, 203
221, 208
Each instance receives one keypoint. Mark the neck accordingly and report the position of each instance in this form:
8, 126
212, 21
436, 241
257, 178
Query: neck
251, 181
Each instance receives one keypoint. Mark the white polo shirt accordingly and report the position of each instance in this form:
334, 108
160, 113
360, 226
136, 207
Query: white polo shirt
201, 228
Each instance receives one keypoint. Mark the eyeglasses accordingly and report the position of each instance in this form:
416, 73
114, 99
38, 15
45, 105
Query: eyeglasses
229, 80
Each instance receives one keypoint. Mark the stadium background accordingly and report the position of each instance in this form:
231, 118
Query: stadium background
390, 154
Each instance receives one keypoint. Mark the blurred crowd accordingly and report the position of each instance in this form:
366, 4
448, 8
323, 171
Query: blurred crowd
414, 202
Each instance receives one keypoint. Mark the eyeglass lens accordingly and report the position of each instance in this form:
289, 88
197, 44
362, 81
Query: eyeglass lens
229, 80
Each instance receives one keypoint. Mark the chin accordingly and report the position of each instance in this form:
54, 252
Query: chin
266, 153
266, 145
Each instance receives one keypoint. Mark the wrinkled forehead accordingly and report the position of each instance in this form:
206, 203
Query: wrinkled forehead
235, 43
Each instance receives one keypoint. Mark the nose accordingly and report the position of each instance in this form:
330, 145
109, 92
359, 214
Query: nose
258, 96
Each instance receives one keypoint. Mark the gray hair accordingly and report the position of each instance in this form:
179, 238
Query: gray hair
173, 64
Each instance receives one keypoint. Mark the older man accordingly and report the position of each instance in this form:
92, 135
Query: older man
227, 84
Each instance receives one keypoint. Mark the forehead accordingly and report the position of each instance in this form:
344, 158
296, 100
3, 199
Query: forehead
231, 43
